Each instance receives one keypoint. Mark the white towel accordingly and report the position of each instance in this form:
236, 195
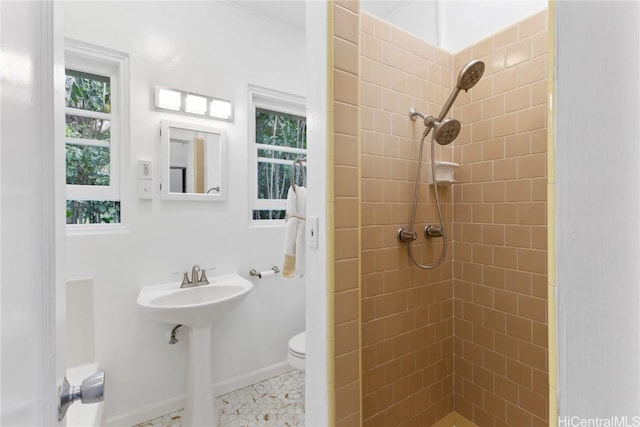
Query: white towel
294, 239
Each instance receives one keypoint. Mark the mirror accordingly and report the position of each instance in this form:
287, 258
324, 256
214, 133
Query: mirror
194, 162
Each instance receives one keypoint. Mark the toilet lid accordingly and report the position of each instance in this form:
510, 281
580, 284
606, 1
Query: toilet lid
298, 344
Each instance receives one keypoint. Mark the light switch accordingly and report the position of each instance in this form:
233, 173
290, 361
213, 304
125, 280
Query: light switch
145, 189
312, 231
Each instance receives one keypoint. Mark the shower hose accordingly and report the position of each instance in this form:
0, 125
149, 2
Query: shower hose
415, 203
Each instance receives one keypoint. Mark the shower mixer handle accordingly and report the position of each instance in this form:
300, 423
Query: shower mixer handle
405, 235
433, 231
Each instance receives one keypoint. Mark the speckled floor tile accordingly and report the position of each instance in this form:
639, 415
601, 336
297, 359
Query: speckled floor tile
278, 401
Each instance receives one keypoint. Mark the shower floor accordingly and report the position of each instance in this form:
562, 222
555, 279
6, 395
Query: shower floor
278, 401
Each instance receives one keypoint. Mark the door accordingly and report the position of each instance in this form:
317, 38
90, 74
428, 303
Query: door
31, 213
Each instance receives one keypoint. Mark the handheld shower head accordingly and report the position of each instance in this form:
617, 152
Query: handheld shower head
446, 131
468, 77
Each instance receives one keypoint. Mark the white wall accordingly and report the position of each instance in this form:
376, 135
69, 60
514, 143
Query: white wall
214, 49
419, 18
598, 184
453, 25
463, 23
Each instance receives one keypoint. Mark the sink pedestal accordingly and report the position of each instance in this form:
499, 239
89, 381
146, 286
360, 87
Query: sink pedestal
197, 308
199, 409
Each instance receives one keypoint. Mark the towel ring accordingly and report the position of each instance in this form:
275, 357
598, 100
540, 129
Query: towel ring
293, 172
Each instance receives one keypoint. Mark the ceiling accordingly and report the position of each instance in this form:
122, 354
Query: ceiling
289, 12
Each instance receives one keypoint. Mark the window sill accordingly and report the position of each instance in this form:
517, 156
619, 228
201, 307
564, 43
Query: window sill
267, 223
95, 229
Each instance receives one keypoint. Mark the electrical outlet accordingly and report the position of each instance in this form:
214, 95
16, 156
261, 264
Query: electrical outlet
145, 169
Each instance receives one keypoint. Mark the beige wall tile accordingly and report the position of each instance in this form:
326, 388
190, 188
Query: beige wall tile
518, 145
504, 169
493, 106
518, 52
532, 213
346, 212
345, 118
345, 24
518, 99
506, 37
530, 26
505, 80
346, 56
532, 118
518, 190
540, 43
532, 71
505, 125
346, 88
483, 48
532, 166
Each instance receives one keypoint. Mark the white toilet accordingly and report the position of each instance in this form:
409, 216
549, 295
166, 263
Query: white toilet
297, 351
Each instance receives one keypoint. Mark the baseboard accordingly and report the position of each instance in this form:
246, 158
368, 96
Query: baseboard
453, 419
154, 410
235, 383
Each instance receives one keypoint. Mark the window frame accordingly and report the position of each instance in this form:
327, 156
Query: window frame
280, 102
85, 57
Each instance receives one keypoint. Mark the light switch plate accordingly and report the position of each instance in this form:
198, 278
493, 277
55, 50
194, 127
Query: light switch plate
312, 231
145, 189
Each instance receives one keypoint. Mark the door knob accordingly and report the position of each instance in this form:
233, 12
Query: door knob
90, 391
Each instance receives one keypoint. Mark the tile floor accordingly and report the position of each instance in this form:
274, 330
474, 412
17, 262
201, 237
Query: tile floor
278, 401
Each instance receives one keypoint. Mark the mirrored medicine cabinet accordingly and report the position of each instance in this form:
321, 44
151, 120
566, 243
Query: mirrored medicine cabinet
194, 162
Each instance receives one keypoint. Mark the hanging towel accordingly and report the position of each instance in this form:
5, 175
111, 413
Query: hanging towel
294, 239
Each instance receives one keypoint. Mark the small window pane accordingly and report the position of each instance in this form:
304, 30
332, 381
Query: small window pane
87, 165
267, 214
87, 128
87, 91
93, 212
274, 180
280, 129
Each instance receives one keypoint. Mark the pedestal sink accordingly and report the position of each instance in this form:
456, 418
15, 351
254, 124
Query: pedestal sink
197, 307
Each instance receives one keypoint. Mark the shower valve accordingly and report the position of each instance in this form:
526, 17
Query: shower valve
405, 235
432, 231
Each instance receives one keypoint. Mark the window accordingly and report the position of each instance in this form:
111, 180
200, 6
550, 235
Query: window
94, 124
278, 129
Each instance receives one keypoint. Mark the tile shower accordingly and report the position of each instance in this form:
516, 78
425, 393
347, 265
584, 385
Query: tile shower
471, 335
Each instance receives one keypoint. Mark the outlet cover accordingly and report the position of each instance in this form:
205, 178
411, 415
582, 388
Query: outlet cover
145, 169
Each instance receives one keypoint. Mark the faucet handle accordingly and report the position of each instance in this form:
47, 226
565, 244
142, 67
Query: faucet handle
203, 275
185, 279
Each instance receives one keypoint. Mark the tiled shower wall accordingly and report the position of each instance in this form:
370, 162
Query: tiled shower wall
346, 218
491, 366
500, 233
407, 313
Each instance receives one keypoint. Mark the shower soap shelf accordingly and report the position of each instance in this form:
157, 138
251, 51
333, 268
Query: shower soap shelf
444, 173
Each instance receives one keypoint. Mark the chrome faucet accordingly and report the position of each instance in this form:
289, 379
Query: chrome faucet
196, 279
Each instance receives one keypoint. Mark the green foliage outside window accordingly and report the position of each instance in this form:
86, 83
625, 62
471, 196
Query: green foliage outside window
93, 212
89, 164
279, 130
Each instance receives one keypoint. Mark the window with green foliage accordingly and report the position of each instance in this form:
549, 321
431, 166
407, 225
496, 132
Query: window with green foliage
91, 142
280, 137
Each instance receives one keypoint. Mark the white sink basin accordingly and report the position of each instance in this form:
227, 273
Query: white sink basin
196, 306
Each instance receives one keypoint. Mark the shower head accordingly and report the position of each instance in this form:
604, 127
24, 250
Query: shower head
468, 77
446, 131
